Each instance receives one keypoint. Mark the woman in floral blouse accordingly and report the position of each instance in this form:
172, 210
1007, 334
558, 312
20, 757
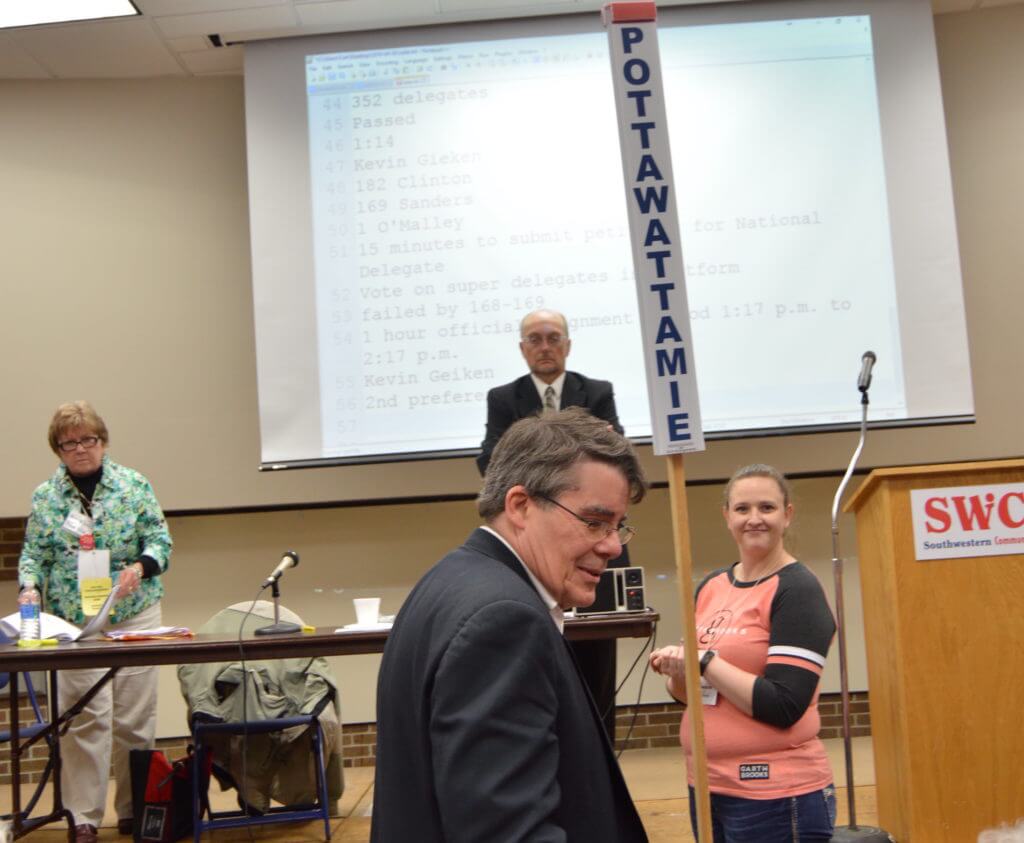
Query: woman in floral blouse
95, 522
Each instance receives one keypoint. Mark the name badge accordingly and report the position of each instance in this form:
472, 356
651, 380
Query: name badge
94, 580
708, 694
78, 524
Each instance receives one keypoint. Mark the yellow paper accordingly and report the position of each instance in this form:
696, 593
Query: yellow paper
94, 593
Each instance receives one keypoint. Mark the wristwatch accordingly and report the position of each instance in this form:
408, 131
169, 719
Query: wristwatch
705, 660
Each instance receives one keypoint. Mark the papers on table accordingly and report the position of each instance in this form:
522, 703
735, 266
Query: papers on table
50, 626
156, 632
364, 627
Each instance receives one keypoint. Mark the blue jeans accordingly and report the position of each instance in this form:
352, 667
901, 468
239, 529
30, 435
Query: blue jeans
792, 819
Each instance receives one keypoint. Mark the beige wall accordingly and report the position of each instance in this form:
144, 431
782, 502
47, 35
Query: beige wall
125, 276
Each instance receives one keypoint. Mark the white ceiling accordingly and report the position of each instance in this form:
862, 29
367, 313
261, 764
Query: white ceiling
170, 37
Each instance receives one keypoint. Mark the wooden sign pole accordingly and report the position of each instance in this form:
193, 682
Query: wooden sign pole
684, 574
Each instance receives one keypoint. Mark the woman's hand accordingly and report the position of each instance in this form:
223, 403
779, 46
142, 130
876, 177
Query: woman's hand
129, 580
669, 662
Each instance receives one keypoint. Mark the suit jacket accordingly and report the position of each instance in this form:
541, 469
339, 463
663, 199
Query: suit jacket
485, 731
517, 400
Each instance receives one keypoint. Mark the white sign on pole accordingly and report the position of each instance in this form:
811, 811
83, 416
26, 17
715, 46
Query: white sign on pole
962, 521
654, 228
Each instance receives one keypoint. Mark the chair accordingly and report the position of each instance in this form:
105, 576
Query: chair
215, 719
203, 731
28, 734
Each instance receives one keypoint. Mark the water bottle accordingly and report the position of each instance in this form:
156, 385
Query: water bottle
29, 611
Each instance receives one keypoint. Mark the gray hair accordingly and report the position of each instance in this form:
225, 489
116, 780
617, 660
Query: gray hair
540, 453
758, 469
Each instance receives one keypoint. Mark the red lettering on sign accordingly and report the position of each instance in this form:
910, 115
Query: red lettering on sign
936, 508
973, 512
1004, 510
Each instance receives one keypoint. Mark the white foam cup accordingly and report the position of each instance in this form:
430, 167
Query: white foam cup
367, 610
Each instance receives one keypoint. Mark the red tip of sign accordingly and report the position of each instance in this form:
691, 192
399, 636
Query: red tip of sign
629, 11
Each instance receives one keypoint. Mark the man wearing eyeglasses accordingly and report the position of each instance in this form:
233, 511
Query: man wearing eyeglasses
485, 730
544, 343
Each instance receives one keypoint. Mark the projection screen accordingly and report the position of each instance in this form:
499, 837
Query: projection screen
415, 192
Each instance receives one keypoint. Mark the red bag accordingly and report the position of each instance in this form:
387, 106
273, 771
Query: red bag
162, 795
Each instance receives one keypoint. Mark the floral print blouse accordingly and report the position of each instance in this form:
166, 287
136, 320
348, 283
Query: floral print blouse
128, 522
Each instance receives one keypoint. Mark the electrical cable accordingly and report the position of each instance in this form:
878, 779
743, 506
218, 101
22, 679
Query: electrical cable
244, 802
651, 639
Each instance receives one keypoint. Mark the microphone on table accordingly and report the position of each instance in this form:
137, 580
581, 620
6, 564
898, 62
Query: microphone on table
866, 363
289, 560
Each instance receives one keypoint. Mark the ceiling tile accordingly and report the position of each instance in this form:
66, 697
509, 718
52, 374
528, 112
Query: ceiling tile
101, 50
219, 60
513, 8
158, 8
240, 21
17, 63
362, 14
189, 44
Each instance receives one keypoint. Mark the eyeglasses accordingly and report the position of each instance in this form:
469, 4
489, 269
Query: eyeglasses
554, 340
599, 530
86, 442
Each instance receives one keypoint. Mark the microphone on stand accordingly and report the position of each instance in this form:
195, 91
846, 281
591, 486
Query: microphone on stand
278, 627
851, 833
866, 364
289, 560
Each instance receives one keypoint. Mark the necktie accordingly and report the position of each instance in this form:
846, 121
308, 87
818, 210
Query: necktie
549, 400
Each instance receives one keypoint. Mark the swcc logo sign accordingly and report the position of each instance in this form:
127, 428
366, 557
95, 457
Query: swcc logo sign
968, 521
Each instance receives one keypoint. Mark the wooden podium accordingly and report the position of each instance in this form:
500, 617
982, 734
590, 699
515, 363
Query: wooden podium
945, 652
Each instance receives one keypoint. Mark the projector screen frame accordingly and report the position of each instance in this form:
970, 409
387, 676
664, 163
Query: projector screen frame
718, 436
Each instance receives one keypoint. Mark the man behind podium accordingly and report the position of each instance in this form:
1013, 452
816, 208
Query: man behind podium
545, 345
485, 731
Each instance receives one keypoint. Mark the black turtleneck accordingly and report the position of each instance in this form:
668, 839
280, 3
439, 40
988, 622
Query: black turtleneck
87, 484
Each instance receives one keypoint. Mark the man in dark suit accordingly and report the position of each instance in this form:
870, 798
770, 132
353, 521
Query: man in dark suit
485, 731
544, 343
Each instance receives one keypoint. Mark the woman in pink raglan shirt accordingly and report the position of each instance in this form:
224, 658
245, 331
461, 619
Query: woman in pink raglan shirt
764, 627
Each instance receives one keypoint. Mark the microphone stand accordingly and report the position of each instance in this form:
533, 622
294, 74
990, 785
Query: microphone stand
278, 627
852, 831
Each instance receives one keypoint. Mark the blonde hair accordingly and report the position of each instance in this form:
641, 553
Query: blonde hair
72, 415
